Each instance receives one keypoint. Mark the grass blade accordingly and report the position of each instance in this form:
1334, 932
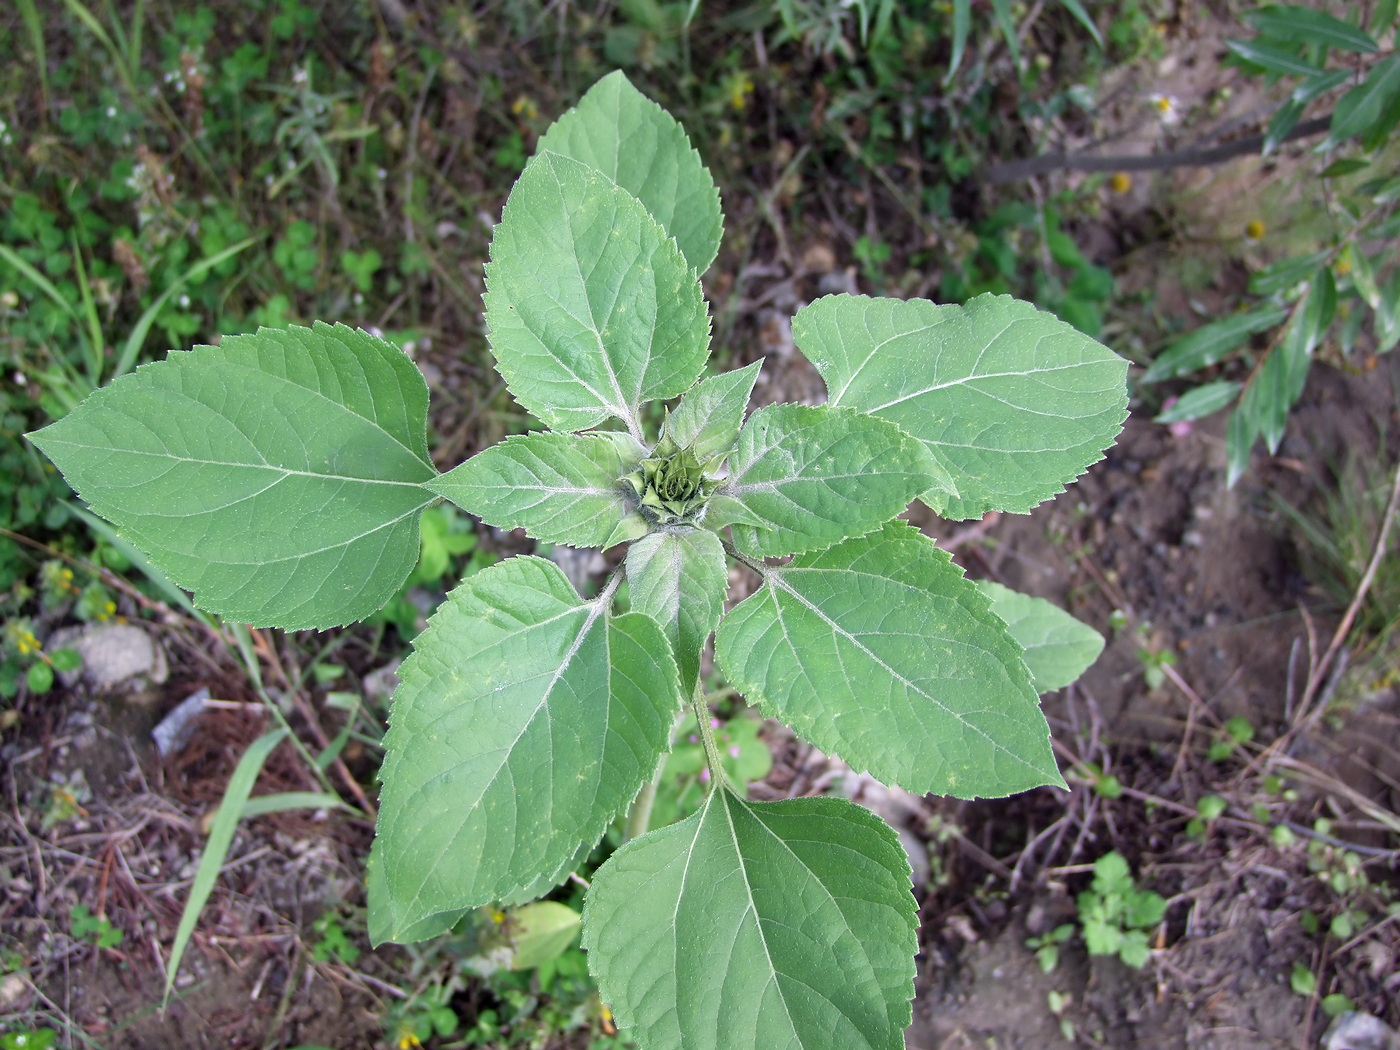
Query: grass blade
96, 340
1002, 9
173, 595
284, 801
137, 339
1075, 8
240, 785
83, 15
35, 25
44, 284
962, 22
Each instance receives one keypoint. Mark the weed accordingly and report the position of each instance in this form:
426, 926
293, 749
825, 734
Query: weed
1335, 542
1115, 915
1323, 296
1047, 946
332, 940
95, 928
1238, 731
34, 1039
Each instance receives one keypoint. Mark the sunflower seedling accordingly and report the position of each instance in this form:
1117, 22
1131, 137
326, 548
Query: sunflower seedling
281, 477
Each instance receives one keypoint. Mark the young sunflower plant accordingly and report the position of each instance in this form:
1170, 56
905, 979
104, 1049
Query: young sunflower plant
281, 476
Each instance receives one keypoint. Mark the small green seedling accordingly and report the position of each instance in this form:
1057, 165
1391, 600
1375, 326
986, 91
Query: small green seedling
1238, 732
35, 1039
416, 1020
1209, 809
96, 928
1115, 915
282, 475
1047, 946
332, 940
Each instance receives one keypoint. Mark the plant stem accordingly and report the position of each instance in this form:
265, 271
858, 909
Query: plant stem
707, 737
639, 816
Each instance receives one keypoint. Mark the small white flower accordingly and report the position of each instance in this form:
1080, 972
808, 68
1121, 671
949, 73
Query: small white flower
184, 302
1167, 108
111, 111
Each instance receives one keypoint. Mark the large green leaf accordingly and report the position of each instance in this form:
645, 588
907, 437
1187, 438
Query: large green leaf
1012, 401
880, 651
591, 307
803, 477
560, 488
633, 141
769, 926
679, 578
709, 415
1058, 647
525, 722
279, 475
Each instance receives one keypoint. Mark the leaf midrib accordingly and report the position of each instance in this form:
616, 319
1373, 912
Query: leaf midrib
283, 471
598, 608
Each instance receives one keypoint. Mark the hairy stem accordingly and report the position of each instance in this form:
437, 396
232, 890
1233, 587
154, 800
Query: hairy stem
707, 737
639, 816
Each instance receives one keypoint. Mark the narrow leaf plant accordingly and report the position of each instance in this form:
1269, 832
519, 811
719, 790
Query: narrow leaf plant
281, 476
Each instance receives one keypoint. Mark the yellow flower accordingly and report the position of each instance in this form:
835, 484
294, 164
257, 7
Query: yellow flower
1254, 230
408, 1040
26, 643
1120, 182
740, 88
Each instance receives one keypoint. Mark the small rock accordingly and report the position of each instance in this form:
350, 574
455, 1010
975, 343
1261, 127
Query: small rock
1358, 1031
175, 729
116, 657
818, 258
14, 992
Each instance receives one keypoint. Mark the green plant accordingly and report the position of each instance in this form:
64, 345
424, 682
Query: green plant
1309, 299
96, 928
420, 1017
1115, 915
1336, 539
20, 651
281, 476
1209, 809
332, 941
1047, 946
35, 1039
684, 779
1238, 732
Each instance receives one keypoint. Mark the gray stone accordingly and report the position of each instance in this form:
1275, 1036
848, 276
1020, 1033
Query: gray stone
117, 657
1358, 1031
